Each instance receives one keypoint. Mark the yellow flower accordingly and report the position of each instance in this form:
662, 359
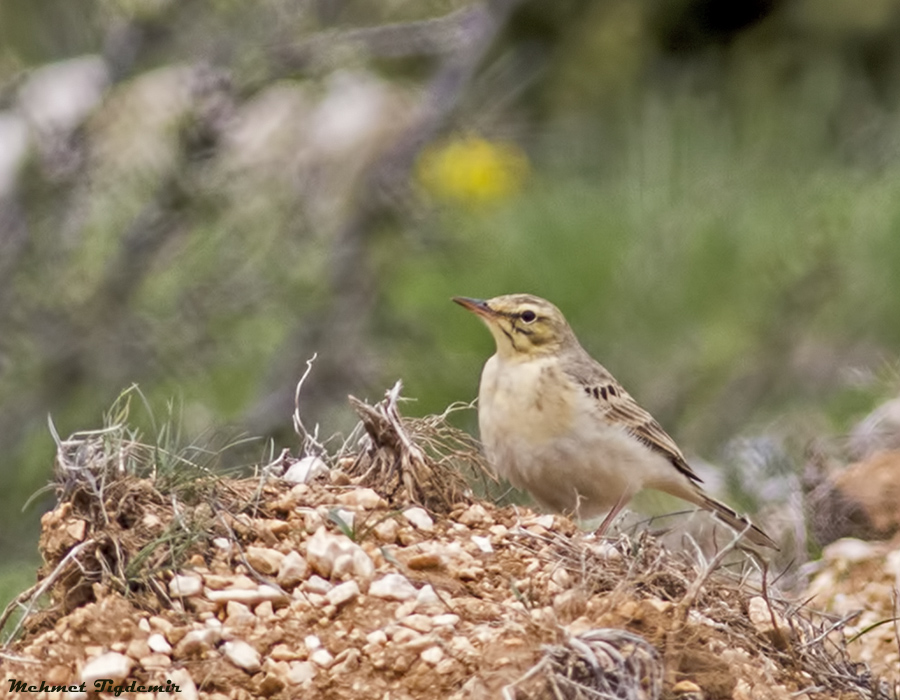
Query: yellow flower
473, 170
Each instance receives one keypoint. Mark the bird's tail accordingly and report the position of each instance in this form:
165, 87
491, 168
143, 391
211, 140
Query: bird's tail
735, 521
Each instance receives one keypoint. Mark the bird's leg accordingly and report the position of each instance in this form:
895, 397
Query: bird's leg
607, 521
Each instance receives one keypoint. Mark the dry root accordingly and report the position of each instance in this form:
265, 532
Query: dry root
419, 461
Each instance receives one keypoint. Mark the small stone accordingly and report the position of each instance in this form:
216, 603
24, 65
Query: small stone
475, 514
344, 593
137, 648
483, 543
393, 587
432, 655
404, 635
76, 528
419, 623
155, 662
364, 498
305, 470
427, 598
322, 657
109, 665
301, 672
346, 662
658, 604
317, 584
312, 642
446, 666
407, 607
242, 655
462, 646
292, 570
195, 642
850, 550
561, 578
422, 562
687, 690
162, 625
264, 560
235, 609
332, 555
446, 620
340, 478
250, 598
346, 518
419, 519
277, 527
270, 684
158, 643
387, 531
217, 582
283, 652
498, 531
183, 586
546, 521
182, 678
376, 638
264, 610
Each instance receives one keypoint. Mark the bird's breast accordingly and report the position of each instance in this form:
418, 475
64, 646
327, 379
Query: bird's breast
545, 435
523, 406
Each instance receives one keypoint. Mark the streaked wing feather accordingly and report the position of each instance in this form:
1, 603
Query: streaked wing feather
618, 406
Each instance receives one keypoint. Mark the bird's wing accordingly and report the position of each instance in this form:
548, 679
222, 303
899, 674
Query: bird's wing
618, 407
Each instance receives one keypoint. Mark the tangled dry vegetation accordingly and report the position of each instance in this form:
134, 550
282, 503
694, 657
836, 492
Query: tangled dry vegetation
384, 576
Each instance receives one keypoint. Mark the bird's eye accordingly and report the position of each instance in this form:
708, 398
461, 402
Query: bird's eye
528, 316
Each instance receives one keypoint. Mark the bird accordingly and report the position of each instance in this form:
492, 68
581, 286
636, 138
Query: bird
555, 423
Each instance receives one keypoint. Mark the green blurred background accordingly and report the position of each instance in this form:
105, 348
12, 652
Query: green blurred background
197, 196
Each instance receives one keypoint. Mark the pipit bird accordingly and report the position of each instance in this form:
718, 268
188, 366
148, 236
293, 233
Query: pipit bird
555, 422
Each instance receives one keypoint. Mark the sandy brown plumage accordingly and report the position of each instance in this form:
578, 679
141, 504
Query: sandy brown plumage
556, 423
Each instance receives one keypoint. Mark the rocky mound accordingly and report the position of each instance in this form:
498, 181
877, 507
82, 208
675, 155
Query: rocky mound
382, 576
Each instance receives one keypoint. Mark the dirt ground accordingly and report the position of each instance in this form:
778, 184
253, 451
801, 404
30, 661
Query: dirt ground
361, 584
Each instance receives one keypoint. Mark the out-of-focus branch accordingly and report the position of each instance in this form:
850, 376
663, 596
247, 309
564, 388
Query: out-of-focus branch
339, 325
438, 36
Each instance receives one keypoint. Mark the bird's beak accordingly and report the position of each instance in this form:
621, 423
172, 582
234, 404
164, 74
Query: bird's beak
476, 306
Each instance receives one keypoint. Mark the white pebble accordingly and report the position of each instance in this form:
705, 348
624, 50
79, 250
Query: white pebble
158, 643
432, 655
376, 638
222, 543
426, 597
292, 570
483, 543
322, 657
419, 623
110, 665
344, 593
393, 587
242, 655
317, 584
419, 519
448, 619
332, 555
301, 671
305, 470
364, 498
185, 586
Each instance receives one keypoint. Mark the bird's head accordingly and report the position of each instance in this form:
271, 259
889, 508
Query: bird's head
523, 326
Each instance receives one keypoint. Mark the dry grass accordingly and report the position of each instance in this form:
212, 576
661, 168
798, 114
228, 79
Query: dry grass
425, 461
